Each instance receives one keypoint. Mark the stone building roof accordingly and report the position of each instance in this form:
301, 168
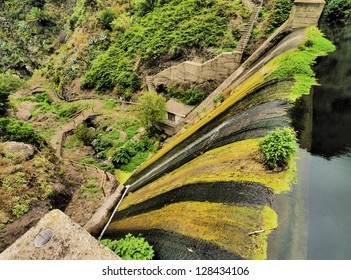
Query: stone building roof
69, 242
177, 108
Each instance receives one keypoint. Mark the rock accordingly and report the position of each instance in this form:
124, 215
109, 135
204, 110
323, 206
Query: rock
122, 135
110, 128
18, 149
141, 130
24, 108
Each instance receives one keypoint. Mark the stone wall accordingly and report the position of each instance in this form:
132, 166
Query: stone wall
215, 69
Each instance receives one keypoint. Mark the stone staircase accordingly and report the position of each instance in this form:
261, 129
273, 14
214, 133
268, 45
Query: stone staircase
248, 28
150, 83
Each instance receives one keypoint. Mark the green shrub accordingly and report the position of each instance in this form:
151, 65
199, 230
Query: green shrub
192, 96
106, 18
8, 84
43, 97
278, 147
130, 247
84, 134
17, 130
279, 14
338, 10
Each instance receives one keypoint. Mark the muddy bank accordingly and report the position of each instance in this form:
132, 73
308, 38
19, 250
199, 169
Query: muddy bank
233, 193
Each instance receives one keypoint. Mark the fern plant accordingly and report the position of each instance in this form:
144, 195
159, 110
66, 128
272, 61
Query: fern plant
130, 247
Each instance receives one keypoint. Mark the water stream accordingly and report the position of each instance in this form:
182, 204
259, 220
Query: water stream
314, 218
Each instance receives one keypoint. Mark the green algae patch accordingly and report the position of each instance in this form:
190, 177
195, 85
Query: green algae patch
226, 225
238, 161
297, 63
122, 176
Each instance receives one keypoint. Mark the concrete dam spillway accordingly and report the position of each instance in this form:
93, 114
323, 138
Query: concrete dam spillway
203, 197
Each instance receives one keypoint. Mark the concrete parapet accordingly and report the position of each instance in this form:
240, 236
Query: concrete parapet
68, 241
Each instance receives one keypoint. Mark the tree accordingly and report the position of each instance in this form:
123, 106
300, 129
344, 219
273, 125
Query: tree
151, 109
8, 84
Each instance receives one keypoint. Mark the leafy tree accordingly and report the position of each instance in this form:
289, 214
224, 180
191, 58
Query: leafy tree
278, 147
8, 84
106, 18
151, 109
130, 247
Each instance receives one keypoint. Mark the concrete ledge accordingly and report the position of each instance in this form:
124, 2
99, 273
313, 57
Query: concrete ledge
69, 242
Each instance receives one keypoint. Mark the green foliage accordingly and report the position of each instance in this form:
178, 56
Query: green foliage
68, 112
297, 63
338, 11
43, 97
37, 14
130, 247
132, 154
20, 206
151, 109
8, 84
192, 96
168, 28
106, 17
84, 134
278, 147
142, 7
17, 130
106, 167
280, 14
219, 98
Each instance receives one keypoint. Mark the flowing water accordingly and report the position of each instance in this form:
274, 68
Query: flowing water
314, 218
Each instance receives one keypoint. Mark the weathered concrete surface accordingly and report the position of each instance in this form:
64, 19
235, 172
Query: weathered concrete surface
305, 13
70, 242
215, 69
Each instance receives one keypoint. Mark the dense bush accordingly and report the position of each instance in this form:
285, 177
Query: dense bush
338, 10
17, 130
130, 247
280, 14
106, 18
129, 151
278, 147
84, 134
8, 84
190, 96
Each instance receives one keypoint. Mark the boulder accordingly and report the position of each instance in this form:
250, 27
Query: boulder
17, 149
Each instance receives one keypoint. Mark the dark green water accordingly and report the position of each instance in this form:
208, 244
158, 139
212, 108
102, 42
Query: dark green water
315, 217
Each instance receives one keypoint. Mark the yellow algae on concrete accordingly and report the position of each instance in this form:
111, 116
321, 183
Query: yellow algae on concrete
238, 161
226, 225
